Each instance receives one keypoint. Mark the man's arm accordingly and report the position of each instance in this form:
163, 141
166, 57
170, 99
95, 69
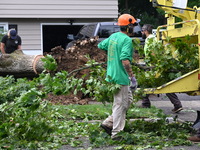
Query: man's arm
133, 83
127, 66
3, 48
103, 44
19, 47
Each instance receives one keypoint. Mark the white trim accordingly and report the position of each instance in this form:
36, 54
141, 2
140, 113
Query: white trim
41, 38
82, 23
5, 26
32, 52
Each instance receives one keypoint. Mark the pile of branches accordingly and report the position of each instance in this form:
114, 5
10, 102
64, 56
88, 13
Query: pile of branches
78, 55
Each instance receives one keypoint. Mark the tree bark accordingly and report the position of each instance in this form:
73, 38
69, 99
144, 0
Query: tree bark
20, 65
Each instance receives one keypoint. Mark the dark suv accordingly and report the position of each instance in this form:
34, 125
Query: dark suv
101, 29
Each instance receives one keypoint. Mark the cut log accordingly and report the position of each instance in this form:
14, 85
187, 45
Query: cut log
21, 65
74, 58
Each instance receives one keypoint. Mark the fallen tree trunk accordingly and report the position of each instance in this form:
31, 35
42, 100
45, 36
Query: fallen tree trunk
70, 60
20, 65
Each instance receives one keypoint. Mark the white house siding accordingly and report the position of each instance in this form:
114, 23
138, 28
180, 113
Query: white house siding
30, 15
58, 9
31, 35
30, 32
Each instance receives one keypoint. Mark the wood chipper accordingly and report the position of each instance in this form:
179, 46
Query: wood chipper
190, 25
188, 83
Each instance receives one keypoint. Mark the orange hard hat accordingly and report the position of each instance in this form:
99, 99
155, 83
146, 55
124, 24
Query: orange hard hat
125, 20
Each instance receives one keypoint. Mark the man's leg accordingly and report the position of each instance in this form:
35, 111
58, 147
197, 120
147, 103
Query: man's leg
107, 125
175, 101
122, 101
146, 102
195, 138
116, 122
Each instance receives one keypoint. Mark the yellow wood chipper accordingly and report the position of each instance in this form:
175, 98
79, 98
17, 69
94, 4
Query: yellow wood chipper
190, 26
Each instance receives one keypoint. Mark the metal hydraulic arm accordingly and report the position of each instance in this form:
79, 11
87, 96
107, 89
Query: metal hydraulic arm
171, 8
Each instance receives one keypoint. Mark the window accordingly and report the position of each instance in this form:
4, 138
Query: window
12, 26
86, 31
82, 33
90, 31
106, 30
3, 27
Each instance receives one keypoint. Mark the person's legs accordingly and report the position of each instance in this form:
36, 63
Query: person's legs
116, 121
175, 101
122, 101
195, 138
108, 122
146, 102
107, 125
198, 133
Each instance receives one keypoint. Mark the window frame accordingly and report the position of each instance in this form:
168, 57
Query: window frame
4, 25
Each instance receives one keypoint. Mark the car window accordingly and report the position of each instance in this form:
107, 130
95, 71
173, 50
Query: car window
90, 31
86, 31
106, 30
137, 31
82, 33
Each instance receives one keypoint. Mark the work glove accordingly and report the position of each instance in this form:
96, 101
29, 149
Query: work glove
133, 84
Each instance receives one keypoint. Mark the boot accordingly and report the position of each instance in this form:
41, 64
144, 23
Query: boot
195, 139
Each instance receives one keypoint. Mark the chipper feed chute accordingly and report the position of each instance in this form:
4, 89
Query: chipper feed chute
188, 83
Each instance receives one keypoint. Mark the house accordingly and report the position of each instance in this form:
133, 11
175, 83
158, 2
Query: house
44, 24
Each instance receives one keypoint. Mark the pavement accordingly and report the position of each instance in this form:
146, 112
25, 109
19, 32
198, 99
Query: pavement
190, 105
189, 113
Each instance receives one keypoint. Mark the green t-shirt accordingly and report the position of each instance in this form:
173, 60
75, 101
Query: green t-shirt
119, 47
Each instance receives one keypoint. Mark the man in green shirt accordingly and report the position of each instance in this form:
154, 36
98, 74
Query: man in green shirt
119, 49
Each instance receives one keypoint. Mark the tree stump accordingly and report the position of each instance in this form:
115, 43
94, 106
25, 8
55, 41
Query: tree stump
20, 65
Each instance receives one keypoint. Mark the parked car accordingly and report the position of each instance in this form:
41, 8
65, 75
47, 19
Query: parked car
101, 29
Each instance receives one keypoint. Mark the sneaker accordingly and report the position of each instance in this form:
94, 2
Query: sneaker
143, 106
176, 110
117, 138
107, 129
195, 139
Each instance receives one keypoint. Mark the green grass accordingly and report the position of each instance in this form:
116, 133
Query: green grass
139, 134
101, 111
71, 125
89, 112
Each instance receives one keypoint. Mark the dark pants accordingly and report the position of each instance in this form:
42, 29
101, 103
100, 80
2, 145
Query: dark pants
172, 97
198, 133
